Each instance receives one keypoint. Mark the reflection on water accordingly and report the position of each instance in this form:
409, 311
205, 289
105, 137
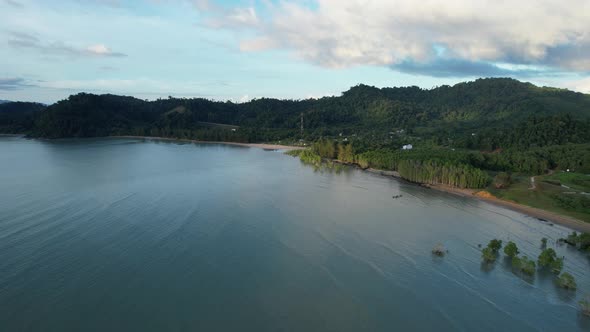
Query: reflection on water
120, 235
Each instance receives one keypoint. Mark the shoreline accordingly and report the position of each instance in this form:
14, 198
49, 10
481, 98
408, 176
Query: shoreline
265, 146
541, 215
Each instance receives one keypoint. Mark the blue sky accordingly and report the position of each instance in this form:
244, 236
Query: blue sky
238, 50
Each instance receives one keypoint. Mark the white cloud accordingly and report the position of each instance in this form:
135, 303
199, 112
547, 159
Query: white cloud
23, 40
581, 85
99, 49
344, 33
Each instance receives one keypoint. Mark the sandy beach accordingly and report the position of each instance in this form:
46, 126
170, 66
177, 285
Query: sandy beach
542, 215
251, 145
567, 221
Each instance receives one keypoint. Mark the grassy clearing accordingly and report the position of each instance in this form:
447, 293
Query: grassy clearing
549, 194
575, 181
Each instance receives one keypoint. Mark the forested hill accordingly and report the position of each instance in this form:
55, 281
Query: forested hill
483, 114
18, 117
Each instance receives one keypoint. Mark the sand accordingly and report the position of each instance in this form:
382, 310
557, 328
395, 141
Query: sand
252, 145
567, 221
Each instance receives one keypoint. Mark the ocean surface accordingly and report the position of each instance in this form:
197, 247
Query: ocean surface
140, 235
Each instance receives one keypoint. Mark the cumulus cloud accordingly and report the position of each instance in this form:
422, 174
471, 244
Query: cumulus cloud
409, 35
32, 42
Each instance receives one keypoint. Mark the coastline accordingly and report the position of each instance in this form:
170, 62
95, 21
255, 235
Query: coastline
264, 146
542, 215
484, 196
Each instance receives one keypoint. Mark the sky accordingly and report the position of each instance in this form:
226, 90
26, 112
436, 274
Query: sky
242, 49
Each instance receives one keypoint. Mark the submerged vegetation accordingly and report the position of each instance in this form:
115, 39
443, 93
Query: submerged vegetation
527, 267
548, 258
523, 264
567, 281
511, 250
439, 250
490, 253
580, 241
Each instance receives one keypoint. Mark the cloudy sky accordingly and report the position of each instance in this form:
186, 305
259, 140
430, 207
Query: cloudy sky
242, 49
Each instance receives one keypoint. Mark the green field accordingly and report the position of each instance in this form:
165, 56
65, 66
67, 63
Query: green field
575, 181
550, 195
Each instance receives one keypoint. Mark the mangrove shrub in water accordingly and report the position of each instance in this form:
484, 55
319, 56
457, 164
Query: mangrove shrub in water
548, 258
495, 245
511, 249
567, 281
488, 255
523, 264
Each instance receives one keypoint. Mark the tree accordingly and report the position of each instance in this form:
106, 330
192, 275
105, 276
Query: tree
567, 281
495, 245
523, 264
557, 265
511, 250
488, 255
547, 257
345, 153
572, 239
502, 180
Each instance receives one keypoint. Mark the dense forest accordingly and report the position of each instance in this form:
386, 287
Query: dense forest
496, 125
18, 117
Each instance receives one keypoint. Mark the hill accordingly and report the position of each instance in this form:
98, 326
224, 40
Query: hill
443, 113
463, 135
18, 117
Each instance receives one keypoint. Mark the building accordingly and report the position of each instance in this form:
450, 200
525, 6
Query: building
407, 147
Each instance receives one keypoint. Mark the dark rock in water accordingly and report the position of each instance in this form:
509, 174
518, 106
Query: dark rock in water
439, 250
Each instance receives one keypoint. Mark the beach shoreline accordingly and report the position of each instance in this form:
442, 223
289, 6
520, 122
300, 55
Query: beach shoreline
537, 213
541, 215
484, 196
265, 146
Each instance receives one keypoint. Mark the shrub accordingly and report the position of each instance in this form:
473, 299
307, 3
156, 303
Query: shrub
502, 180
511, 249
523, 264
495, 245
488, 255
547, 257
557, 265
567, 281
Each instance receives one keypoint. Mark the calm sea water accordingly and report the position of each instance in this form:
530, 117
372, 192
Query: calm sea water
132, 235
